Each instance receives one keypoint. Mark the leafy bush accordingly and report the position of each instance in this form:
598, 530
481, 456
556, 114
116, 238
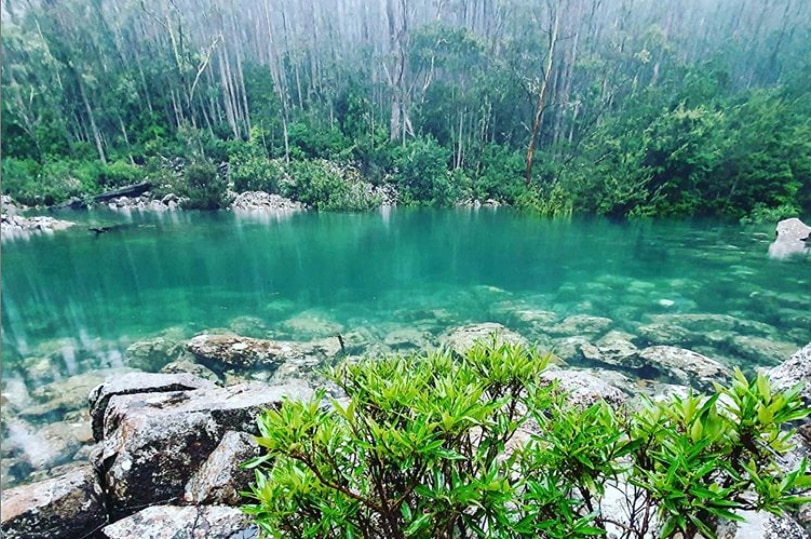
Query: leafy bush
320, 184
422, 173
204, 188
437, 446
250, 168
52, 183
549, 201
119, 174
764, 214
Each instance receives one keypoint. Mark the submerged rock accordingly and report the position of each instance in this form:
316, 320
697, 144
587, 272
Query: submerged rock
581, 324
762, 350
311, 324
172, 522
684, 366
222, 351
462, 339
66, 507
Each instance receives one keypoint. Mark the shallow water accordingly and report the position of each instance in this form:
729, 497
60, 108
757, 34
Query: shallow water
194, 271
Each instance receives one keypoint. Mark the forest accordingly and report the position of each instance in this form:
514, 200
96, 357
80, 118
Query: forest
624, 108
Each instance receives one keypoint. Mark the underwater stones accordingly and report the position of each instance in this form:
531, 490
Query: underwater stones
45, 447
66, 507
581, 324
402, 339
311, 324
133, 383
573, 349
220, 351
152, 354
154, 442
462, 339
190, 522
761, 350
584, 388
249, 326
684, 366
795, 370
220, 479
190, 367
615, 345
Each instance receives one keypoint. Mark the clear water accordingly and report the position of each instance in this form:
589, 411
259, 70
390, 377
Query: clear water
378, 271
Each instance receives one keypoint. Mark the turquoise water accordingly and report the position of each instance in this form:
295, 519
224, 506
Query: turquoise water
380, 271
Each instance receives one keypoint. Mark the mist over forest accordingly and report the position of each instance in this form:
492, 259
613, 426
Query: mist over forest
617, 107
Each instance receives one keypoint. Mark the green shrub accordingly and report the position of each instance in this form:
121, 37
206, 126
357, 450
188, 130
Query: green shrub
437, 446
52, 183
119, 174
320, 184
549, 201
422, 173
249, 166
763, 214
204, 187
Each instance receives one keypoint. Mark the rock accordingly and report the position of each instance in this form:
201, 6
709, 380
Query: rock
761, 350
615, 345
259, 201
792, 229
408, 339
67, 395
138, 382
222, 351
574, 349
461, 339
190, 367
581, 324
311, 324
154, 442
43, 448
249, 326
152, 354
172, 522
684, 366
663, 333
17, 226
762, 525
67, 507
220, 479
793, 371
584, 388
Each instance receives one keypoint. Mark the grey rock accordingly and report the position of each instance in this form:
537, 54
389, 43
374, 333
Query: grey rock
584, 388
761, 350
792, 229
581, 324
795, 370
665, 333
259, 201
139, 382
19, 227
685, 366
154, 442
66, 507
401, 339
190, 367
462, 339
220, 479
223, 351
172, 522
152, 354
311, 324
615, 345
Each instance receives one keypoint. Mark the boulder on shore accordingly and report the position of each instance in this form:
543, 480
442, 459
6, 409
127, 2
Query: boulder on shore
172, 522
791, 237
795, 370
66, 507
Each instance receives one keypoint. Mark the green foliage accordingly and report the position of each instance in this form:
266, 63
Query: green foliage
502, 174
322, 185
119, 174
31, 183
442, 446
546, 200
249, 166
422, 173
203, 186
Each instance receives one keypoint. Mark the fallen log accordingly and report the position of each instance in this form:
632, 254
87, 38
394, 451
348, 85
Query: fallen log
129, 191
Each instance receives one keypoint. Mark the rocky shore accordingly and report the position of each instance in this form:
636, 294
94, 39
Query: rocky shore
156, 454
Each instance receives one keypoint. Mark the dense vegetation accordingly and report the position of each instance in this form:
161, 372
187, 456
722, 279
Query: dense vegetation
614, 107
479, 446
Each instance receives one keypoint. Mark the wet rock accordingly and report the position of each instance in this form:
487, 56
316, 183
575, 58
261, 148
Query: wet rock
223, 351
249, 326
190, 367
152, 354
615, 345
66, 507
684, 366
133, 383
461, 339
154, 442
581, 324
584, 388
259, 201
408, 339
64, 396
792, 229
574, 349
793, 371
535, 317
45, 447
762, 525
172, 522
664, 333
17, 226
761, 350
220, 479
311, 324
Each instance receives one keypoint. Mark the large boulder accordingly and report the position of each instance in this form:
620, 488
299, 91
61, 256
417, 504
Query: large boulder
791, 237
172, 522
154, 442
583, 388
795, 370
137, 382
233, 351
68, 506
220, 479
462, 339
684, 366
